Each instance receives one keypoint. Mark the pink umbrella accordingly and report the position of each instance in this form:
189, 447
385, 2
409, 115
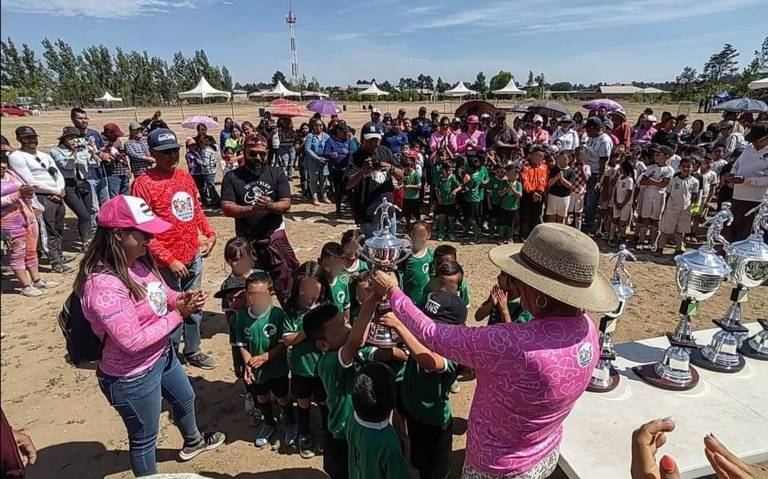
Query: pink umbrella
192, 122
606, 103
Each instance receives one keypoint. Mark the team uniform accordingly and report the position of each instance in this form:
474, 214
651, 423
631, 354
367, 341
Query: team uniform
264, 333
340, 293
414, 273
509, 207
653, 197
302, 361
625, 187
374, 450
411, 205
495, 186
677, 215
446, 202
518, 314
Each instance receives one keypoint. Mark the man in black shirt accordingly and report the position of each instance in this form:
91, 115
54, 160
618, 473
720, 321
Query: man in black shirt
501, 138
370, 177
257, 196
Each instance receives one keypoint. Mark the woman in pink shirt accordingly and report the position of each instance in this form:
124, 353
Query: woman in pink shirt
537, 134
528, 375
134, 312
443, 137
473, 139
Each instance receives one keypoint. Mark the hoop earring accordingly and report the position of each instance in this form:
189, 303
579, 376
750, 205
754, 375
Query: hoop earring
539, 299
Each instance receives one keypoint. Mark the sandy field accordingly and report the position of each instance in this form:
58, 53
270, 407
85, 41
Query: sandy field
78, 435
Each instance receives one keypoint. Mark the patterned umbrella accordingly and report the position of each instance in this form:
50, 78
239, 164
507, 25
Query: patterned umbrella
324, 107
287, 108
746, 105
192, 122
606, 103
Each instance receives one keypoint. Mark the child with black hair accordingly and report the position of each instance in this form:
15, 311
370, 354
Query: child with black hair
655, 181
310, 289
443, 254
414, 271
605, 202
446, 188
412, 190
259, 334
350, 246
375, 451
228, 161
473, 181
509, 216
436, 161
622, 201
500, 308
496, 184
339, 346
332, 261
683, 193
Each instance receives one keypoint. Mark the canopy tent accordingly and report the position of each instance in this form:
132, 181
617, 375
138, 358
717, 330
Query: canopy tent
204, 90
459, 90
373, 90
107, 98
759, 84
318, 94
510, 89
280, 91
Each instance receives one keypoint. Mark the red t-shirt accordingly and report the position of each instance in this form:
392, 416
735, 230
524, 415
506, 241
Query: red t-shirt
174, 199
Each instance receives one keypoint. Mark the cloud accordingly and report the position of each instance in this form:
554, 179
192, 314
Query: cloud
98, 8
343, 37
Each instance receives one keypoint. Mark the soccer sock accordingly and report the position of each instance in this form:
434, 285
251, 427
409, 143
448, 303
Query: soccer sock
451, 225
324, 416
266, 412
654, 233
289, 416
302, 418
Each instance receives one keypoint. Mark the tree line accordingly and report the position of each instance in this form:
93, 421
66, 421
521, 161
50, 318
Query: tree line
65, 77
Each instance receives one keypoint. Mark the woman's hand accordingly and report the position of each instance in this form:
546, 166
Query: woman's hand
382, 283
646, 441
27, 191
725, 464
190, 301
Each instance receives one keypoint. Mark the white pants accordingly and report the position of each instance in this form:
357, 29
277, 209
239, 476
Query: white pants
557, 205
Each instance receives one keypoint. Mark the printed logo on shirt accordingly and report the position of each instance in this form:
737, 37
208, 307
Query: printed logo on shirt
157, 298
182, 206
585, 354
425, 268
341, 297
269, 330
256, 189
431, 305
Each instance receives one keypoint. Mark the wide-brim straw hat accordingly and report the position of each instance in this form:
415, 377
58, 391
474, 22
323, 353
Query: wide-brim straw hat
562, 263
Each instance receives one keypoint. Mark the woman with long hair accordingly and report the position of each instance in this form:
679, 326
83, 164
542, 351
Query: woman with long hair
134, 312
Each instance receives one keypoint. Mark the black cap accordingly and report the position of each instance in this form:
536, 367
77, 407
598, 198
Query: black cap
232, 283
372, 130
25, 131
162, 139
758, 131
593, 122
434, 113
501, 114
423, 109
388, 115
445, 308
69, 131
401, 110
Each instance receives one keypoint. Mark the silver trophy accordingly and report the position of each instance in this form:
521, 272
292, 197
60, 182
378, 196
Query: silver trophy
605, 377
384, 250
698, 277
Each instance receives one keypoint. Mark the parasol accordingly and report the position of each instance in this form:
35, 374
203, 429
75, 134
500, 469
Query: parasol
192, 122
742, 105
606, 103
287, 108
475, 107
549, 108
324, 107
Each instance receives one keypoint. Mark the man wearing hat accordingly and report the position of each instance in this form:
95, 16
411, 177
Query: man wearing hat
749, 179
38, 169
401, 115
137, 150
171, 194
485, 121
257, 196
376, 118
115, 161
472, 140
599, 147
621, 129
568, 137
501, 137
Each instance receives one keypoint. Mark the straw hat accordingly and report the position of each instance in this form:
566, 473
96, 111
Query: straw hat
561, 262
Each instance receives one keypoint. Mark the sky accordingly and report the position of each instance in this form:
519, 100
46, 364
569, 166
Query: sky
340, 42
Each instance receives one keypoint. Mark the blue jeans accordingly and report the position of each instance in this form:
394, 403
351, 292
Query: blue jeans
285, 158
190, 328
138, 399
98, 180
591, 198
118, 185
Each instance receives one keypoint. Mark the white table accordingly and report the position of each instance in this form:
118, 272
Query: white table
597, 434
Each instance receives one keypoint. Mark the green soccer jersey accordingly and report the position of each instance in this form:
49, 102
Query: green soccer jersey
340, 293
510, 202
437, 172
304, 356
516, 312
239, 324
425, 393
495, 185
265, 333
413, 179
414, 273
374, 451
359, 266
474, 189
446, 186
337, 380
484, 178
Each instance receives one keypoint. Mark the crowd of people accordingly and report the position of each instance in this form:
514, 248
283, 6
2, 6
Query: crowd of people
298, 330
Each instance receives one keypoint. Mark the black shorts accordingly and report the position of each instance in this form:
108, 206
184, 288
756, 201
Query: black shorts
411, 208
495, 212
431, 447
237, 362
277, 386
335, 456
508, 218
447, 210
304, 387
472, 211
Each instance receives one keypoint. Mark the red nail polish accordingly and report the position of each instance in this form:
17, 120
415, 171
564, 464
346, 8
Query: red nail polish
667, 463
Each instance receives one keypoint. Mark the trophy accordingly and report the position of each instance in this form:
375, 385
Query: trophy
605, 377
748, 260
384, 250
698, 276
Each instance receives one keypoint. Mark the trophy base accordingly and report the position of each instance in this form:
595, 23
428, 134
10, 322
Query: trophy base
747, 350
688, 343
647, 373
613, 381
698, 359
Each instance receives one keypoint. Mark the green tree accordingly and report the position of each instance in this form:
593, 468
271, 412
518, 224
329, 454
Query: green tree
529, 83
540, 83
480, 84
441, 86
685, 83
719, 65
561, 86
65, 67
500, 80
11, 66
279, 76
226, 79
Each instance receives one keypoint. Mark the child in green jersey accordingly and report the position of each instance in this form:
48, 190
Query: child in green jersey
259, 331
447, 186
374, 449
332, 261
496, 184
443, 254
310, 289
499, 307
510, 204
412, 192
414, 271
473, 181
350, 245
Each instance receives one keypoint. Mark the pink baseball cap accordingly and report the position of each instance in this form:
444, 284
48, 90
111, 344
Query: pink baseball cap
473, 119
124, 211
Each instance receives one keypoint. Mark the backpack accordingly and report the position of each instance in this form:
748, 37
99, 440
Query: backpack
82, 344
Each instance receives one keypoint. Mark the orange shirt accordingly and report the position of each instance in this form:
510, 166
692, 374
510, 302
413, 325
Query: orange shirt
534, 178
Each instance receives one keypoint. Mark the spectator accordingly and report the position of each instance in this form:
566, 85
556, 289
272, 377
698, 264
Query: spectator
17, 450
315, 165
235, 142
171, 194
621, 129
443, 137
115, 160
566, 134
501, 138
202, 132
731, 136
537, 134
5, 147
337, 151
137, 150
599, 147
473, 140
286, 154
749, 179
38, 169
694, 135
394, 138
534, 178
209, 197
645, 131
226, 132
97, 174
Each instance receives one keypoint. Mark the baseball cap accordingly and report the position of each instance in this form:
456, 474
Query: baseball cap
256, 142
726, 124
473, 119
758, 131
232, 283
376, 110
665, 150
651, 118
435, 113
69, 131
501, 114
445, 308
371, 130
565, 119
135, 126
484, 116
113, 129
162, 139
124, 211
388, 115
25, 131
537, 118
593, 122
423, 109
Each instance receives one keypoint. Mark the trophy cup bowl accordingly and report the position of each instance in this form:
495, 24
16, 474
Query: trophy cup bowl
756, 347
699, 274
748, 260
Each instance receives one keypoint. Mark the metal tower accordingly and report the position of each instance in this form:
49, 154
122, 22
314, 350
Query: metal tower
290, 19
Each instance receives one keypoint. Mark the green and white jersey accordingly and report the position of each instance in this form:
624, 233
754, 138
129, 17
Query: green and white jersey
265, 333
340, 293
374, 451
303, 357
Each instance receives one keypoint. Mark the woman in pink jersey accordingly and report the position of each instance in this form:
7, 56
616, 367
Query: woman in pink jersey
134, 312
528, 375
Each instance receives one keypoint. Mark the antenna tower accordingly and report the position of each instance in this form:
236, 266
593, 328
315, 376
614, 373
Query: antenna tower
290, 19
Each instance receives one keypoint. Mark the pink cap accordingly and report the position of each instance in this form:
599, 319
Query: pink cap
125, 211
473, 119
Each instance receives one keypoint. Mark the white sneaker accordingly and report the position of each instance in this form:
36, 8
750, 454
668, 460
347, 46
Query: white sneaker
31, 292
44, 284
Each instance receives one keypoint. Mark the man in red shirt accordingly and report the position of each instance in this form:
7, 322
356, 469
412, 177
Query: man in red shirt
621, 129
172, 195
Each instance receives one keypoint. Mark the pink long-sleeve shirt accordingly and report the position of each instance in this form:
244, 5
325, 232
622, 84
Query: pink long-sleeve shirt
135, 332
463, 141
528, 378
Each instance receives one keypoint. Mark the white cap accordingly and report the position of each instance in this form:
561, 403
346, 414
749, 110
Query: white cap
376, 110
538, 118
651, 118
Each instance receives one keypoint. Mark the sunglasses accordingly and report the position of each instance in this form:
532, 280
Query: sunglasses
51, 170
256, 154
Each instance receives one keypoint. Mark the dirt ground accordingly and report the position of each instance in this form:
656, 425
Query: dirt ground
79, 435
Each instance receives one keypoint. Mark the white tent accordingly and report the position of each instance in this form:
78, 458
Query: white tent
759, 84
318, 94
373, 90
510, 89
107, 98
459, 90
279, 91
204, 90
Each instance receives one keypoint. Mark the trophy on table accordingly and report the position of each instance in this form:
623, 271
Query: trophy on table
748, 260
605, 377
698, 276
384, 250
